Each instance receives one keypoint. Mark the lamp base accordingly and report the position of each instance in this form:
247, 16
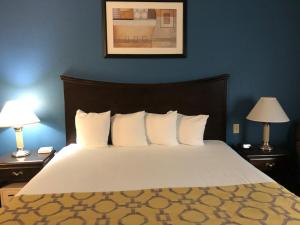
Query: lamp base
20, 153
266, 147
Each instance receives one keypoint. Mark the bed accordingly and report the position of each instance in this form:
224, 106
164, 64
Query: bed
165, 185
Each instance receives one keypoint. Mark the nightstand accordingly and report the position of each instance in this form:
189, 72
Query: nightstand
13, 171
267, 162
276, 164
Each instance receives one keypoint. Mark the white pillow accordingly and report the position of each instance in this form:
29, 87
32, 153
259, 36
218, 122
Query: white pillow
92, 129
128, 130
161, 128
191, 129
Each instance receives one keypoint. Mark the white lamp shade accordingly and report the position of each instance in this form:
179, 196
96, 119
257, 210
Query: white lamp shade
268, 110
17, 114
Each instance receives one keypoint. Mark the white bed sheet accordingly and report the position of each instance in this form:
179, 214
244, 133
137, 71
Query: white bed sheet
74, 169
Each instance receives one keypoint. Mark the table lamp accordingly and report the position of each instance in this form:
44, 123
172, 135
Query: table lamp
16, 114
267, 110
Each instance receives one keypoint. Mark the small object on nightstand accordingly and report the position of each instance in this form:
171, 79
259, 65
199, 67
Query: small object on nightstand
45, 150
246, 146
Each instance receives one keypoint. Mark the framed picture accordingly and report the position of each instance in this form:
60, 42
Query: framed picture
144, 28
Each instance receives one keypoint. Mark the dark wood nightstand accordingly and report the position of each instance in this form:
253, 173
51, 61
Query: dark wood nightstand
16, 170
277, 164
22, 169
267, 162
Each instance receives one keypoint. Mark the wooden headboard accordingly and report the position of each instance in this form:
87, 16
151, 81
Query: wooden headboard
204, 96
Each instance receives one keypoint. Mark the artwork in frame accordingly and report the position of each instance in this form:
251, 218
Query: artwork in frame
144, 28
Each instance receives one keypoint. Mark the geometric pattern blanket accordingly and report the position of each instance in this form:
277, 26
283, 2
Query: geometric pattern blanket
249, 204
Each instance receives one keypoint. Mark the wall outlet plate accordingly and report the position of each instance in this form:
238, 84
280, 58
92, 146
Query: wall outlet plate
236, 128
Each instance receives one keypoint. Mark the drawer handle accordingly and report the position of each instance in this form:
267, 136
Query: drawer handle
270, 164
16, 174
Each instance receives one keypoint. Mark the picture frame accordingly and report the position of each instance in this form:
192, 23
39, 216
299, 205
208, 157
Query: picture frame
144, 28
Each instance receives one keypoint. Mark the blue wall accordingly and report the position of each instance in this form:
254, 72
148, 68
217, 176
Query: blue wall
257, 42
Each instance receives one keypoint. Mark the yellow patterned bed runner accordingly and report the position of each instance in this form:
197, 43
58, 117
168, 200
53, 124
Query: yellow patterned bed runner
252, 204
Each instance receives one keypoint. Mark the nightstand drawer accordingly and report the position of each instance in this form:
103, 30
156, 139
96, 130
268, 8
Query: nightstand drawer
7, 195
9, 191
18, 174
268, 164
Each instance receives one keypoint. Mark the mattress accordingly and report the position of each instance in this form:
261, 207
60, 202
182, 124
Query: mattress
75, 169
179, 185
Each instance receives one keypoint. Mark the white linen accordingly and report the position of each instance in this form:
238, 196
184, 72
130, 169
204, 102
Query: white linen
92, 129
161, 128
128, 130
74, 169
191, 129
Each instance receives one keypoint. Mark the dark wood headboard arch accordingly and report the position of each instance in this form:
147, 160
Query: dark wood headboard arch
203, 96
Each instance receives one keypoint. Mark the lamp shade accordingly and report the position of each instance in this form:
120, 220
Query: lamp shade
268, 110
17, 114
